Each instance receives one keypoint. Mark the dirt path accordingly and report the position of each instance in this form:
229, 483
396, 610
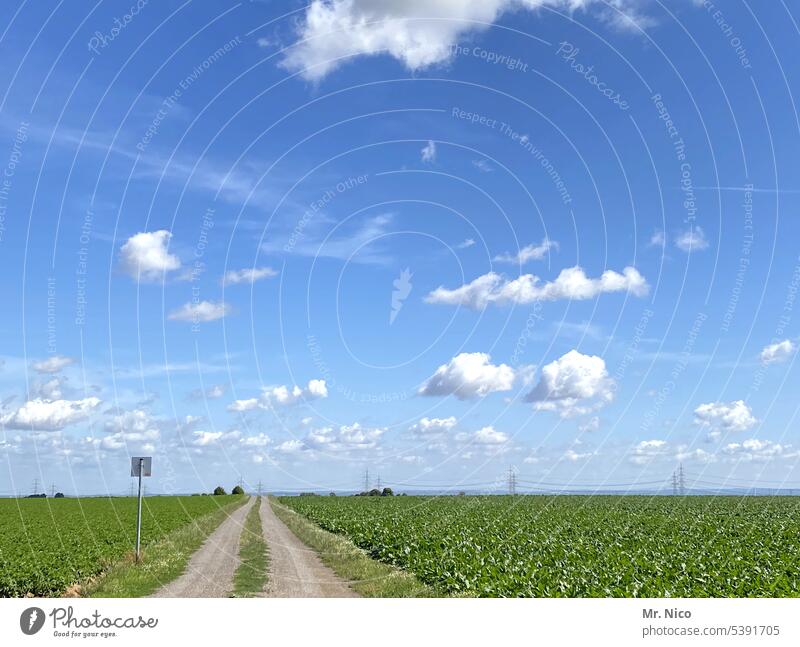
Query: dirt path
295, 570
209, 573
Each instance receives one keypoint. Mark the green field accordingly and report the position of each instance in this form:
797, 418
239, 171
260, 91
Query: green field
46, 545
577, 546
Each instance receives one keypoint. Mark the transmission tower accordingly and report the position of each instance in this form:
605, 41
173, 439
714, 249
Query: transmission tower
675, 483
52, 490
512, 481
681, 481
259, 486
35, 486
378, 482
366, 480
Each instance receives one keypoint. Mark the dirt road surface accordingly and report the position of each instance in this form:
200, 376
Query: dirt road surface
295, 570
210, 571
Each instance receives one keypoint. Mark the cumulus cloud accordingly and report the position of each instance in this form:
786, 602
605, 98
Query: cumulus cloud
574, 384
134, 421
53, 364
282, 396
722, 417
433, 426
572, 283
468, 376
346, 438
419, 33
658, 239
529, 253
49, 415
649, 450
758, 450
201, 311
428, 152
211, 393
291, 447
778, 352
590, 426
249, 275
144, 256
490, 436
691, 240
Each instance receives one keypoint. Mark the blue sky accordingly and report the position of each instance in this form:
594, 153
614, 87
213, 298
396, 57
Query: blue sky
434, 240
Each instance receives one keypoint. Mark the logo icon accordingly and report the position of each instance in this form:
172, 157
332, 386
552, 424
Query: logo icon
31, 620
402, 288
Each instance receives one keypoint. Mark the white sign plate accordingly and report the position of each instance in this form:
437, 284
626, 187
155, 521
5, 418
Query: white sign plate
147, 465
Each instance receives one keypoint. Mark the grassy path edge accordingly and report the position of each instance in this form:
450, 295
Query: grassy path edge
366, 576
251, 575
162, 561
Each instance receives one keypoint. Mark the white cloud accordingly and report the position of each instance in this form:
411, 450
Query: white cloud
722, 417
345, 438
52, 389
658, 239
211, 393
529, 253
248, 275
778, 352
290, 447
490, 436
590, 426
282, 396
573, 456
134, 421
649, 450
49, 415
205, 438
691, 240
433, 426
428, 153
469, 375
571, 283
758, 450
574, 384
200, 312
53, 364
144, 256
464, 244
419, 33
482, 165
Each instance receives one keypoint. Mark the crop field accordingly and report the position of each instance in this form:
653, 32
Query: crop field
48, 544
577, 546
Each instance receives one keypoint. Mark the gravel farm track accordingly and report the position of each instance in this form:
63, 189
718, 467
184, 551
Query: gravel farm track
295, 570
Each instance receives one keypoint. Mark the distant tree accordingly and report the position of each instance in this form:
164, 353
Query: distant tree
219, 491
387, 491
374, 492
332, 494
462, 493
237, 490
59, 495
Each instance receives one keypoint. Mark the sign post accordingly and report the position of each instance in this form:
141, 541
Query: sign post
140, 466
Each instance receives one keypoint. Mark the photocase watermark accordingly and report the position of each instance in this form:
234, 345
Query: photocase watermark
519, 138
198, 264
632, 348
679, 148
744, 259
324, 370
66, 624
402, 288
569, 53
169, 103
727, 30
52, 345
660, 397
490, 57
100, 40
82, 268
533, 319
317, 205
20, 137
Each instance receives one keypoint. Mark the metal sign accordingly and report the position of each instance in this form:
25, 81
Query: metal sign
140, 466
145, 463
